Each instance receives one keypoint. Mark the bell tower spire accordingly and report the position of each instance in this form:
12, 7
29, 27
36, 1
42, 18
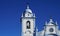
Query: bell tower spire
27, 6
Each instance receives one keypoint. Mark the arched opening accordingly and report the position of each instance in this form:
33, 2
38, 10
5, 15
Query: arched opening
28, 24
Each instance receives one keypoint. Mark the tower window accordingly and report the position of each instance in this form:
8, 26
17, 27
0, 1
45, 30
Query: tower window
51, 30
28, 24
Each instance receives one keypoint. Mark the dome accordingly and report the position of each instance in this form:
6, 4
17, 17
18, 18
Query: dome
28, 10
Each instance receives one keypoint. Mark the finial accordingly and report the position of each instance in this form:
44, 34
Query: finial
27, 5
22, 15
34, 14
46, 23
56, 22
36, 29
51, 20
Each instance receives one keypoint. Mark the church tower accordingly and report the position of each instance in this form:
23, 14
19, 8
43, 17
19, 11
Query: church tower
28, 22
51, 28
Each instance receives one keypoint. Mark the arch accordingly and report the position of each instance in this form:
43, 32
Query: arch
28, 25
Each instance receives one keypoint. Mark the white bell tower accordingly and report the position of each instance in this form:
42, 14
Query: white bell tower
28, 22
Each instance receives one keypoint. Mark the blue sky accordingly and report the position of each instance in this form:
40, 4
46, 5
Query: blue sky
11, 11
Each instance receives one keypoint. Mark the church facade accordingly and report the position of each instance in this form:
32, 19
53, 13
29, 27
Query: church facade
29, 28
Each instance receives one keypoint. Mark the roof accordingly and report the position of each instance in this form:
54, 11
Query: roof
51, 22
